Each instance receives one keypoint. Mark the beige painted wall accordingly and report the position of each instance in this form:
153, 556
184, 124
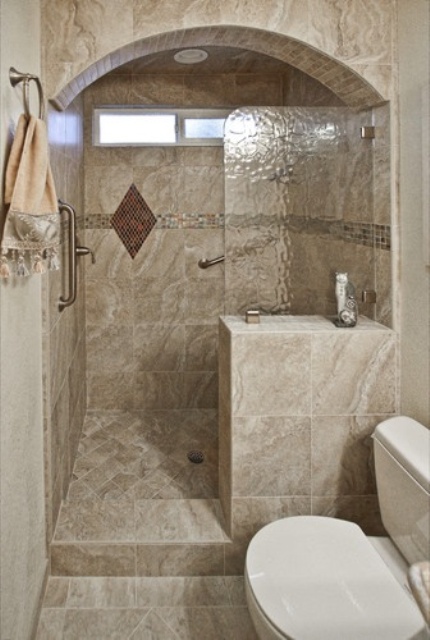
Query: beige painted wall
414, 73
23, 555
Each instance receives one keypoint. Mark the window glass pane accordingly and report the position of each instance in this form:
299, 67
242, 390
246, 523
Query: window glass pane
204, 127
139, 128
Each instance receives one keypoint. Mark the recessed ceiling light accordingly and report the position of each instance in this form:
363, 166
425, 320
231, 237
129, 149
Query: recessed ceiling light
190, 56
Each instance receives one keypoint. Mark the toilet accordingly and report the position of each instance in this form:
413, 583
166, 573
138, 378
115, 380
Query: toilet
320, 578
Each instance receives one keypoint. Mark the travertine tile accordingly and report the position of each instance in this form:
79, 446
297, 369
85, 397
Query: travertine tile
212, 623
152, 626
109, 348
251, 514
180, 559
156, 156
102, 156
161, 257
109, 302
178, 607
159, 186
104, 92
182, 592
93, 559
363, 510
158, 300
158, 390
258, 90
81, 26
159, 347
271, 456
94, 520
193, 481
201, 348
384, 303
370, 44
56, 593
203, 300
200, 389
178, 16
59, 427
281, 387
202, 156
201, 90
157, 89
236, 589
110, 391
51, 624
106, 187
367, 387
110, 624
200, 244
342, 455
101, 593
381, 188
178, 521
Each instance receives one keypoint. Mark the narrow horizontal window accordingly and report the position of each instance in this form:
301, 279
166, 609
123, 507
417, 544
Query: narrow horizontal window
139, 126
204, 127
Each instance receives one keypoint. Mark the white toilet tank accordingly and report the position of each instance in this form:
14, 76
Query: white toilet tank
402, 463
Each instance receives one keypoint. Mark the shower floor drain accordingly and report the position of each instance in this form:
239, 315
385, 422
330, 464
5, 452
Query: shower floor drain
195, 456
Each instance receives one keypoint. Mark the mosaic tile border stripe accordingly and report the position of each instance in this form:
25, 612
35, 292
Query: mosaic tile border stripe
367, 234
363, 233
165, 221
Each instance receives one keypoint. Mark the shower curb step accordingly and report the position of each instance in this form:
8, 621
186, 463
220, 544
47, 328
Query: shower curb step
93, 559
129, 537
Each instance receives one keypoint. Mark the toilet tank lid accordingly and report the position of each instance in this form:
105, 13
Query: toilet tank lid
409, 442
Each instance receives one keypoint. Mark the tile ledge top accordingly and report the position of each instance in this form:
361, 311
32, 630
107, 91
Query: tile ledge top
295, 324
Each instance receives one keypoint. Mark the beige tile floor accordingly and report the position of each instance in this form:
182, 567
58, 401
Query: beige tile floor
198, 608
143, 455
135, 496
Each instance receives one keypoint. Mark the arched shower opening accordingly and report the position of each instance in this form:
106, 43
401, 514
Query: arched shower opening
151, 321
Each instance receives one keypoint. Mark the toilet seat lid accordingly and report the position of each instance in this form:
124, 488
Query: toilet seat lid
313, 574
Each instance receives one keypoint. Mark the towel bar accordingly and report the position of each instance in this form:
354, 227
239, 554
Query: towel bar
16, 77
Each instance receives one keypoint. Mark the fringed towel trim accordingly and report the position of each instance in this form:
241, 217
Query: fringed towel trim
31, 234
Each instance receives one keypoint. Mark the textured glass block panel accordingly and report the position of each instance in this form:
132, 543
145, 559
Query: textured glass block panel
267, 143
298, 195
133, 221
204, 127
126, 128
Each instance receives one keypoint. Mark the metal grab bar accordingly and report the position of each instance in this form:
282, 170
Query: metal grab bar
204, 263
66, 302
74, 250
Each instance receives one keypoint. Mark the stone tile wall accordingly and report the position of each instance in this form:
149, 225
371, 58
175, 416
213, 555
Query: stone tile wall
299, 400
152, 321
64, 332
339, 45
284, 238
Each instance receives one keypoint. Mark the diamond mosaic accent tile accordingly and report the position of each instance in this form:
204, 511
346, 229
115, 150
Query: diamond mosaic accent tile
133, 220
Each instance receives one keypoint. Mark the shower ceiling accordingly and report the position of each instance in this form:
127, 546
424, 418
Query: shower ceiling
220, 60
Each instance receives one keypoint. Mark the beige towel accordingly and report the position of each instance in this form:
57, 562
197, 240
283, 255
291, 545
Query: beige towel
29, 186
31, 228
